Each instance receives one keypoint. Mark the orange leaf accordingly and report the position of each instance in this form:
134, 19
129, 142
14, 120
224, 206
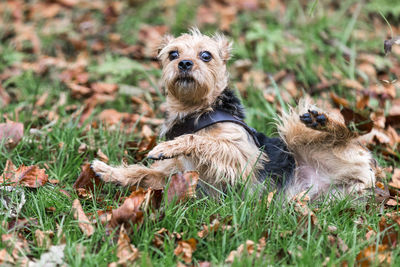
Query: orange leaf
129, 213
185, 249
29, 176
182, 186
83, 221
127, 253
88, 179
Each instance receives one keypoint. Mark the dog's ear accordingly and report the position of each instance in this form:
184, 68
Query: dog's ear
224, 45
166, 39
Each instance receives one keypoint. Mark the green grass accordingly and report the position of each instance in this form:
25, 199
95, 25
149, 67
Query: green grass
260, 36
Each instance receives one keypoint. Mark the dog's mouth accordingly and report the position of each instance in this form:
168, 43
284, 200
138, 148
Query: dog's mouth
184, 80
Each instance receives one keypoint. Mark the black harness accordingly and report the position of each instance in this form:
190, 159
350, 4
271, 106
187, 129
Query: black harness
194, 124
281, 163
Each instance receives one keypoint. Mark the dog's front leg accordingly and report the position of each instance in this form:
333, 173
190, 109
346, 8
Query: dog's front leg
135, 174
189, 145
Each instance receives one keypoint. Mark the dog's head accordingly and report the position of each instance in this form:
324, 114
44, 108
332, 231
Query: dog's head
194, 66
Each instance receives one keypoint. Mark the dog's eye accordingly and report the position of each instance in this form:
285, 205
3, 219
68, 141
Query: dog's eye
205, 56
173, 55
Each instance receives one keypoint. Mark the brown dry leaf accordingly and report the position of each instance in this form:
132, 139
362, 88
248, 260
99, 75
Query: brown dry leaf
182, 186
392, 202
353, 84
17, 243
43, 238
372, 254
362, 102
339, 101
160, 235
146, 132
88, 179
247, 249
103, 217
130, 213
356, 122
205, 264
185, 249
127, 253
301, 206
208, 229
5, 257
104, 88
158, 239
42, 99
205, 15
111, 116
29, 176
4, 97
11, 133
395, 182
83, 221
101, 156
370, 234
368, 69
270, 197
78, 91
150, 36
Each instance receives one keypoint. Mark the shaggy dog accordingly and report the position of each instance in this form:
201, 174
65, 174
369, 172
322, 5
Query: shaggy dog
204, 131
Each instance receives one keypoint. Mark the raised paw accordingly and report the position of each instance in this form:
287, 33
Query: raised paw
314, 119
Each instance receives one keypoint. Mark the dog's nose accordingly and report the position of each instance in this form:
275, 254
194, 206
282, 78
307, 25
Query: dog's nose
185, 65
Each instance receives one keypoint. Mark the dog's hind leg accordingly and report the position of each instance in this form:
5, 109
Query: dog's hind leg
310, 125
326, 152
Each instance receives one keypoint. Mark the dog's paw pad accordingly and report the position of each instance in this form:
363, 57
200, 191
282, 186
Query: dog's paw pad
314, 119
321, 119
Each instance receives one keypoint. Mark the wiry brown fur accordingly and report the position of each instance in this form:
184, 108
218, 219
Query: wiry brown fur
327, 159
225, 153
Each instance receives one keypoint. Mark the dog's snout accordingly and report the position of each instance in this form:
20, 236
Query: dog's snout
185, 65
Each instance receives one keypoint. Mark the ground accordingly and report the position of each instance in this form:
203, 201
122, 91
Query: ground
82, 78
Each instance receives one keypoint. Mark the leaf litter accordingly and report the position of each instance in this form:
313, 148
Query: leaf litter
375, 115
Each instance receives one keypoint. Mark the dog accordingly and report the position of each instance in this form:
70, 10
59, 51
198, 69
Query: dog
205, 131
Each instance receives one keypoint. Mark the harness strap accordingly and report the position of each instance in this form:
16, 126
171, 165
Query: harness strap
191, 125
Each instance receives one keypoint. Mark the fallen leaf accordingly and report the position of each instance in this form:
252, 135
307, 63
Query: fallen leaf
101, 156
104, 88
130, 213
83, 221
11, 133
88, 179
5, 257
356, 122
372, 254
43, 238
182, 186
127, 253
185, 249
17, 243
208, 229
340, 102
29, 176
395, 182
353, 84
248, 248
